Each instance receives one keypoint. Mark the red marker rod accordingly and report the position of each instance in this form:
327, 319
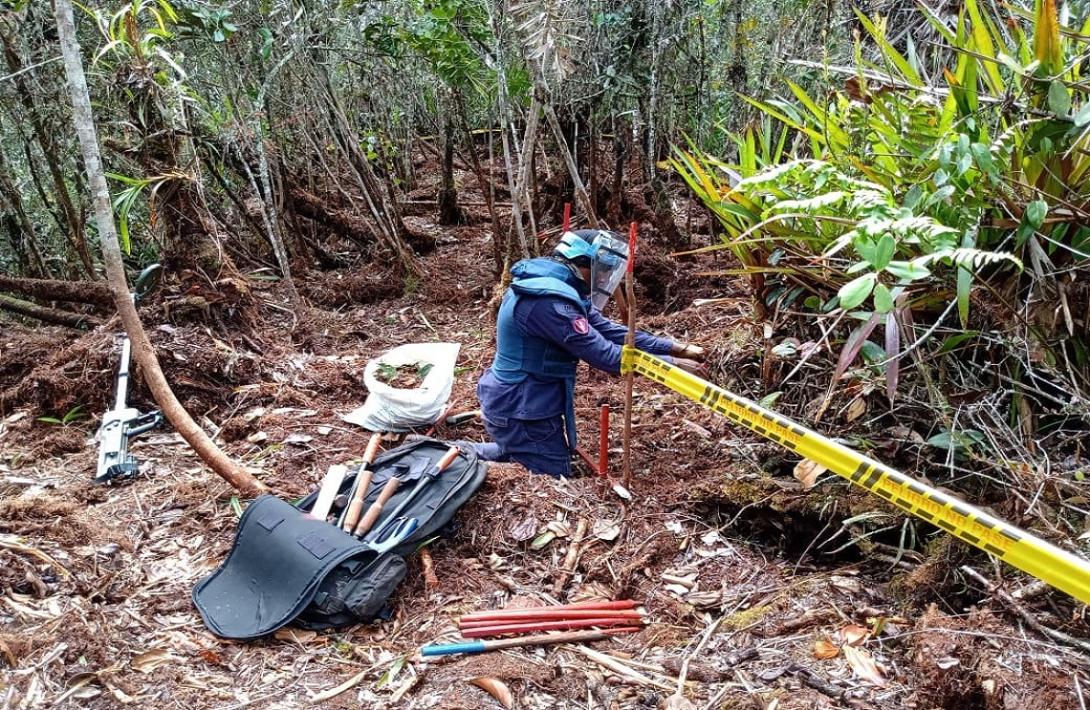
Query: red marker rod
589, 604
603, 441
487, 628
567, 216
556, 615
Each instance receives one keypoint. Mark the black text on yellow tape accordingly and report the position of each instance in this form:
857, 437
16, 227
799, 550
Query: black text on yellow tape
1029, 553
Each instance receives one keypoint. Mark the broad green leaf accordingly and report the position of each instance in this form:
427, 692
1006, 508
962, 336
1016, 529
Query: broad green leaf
878, 34
769, 400
866, 248
908, 270
883, 299
1082, 117
856, 291
872, 352
1036, 212
883, 252
984, 46
1059, 101
983, 158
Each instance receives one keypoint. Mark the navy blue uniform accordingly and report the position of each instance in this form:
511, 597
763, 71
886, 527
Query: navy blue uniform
544, 328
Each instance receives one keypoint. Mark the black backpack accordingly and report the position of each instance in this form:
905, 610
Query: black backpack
286, 566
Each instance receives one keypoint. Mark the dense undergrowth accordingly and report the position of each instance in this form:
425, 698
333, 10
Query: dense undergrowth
925, 223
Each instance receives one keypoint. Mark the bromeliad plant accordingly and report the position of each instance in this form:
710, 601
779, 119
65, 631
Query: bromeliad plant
974, 155
894, 245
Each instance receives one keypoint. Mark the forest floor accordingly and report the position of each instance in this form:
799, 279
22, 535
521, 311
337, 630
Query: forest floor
728, 553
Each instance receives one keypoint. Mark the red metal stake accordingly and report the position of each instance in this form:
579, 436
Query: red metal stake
492, 629
603, 441
567, 216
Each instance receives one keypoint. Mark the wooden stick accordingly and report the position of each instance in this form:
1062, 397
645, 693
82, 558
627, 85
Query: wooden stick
375, 510
539, 640
607, 661
567, 569
47, 315
351, 514
629, 341
1066, 639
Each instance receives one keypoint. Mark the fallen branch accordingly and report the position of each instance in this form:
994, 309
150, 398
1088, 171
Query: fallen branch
567, 569
347, 685
57, 290
607, 661
1031, 621
34, 552
45, 314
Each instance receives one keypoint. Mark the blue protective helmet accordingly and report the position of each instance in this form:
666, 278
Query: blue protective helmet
574, 245
605, 253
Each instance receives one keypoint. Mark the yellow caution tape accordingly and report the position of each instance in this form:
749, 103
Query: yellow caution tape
1029, 553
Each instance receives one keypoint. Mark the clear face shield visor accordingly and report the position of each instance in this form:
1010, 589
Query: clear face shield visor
608, 266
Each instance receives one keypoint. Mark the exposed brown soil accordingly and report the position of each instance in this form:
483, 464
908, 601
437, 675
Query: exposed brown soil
720, 540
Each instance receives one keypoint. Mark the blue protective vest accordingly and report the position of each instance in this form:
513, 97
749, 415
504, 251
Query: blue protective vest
518, 354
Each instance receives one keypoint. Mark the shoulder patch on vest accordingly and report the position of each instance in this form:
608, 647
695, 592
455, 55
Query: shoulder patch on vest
580, 325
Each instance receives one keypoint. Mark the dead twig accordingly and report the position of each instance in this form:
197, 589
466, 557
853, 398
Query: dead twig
1031, 621
347, 685
571, 559
815, 681
607, 661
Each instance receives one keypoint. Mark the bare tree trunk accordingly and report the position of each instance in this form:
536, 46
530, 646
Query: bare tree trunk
573, 170
72, 224
487, 188
387, 218
613, 209
447, 200
269, 210
45, 314
27, 243
521, 198
142, 349
592, 159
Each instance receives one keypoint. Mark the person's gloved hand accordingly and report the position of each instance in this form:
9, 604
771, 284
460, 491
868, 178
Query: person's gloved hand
691, 366
688, 351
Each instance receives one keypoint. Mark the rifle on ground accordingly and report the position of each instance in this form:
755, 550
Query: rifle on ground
124, 422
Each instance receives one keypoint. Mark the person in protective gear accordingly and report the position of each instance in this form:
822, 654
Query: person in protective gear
550, 319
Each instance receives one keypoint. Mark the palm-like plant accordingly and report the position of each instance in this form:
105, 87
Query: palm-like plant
982, 143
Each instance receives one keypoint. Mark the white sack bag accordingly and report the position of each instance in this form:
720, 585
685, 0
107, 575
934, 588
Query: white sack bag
394, 409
